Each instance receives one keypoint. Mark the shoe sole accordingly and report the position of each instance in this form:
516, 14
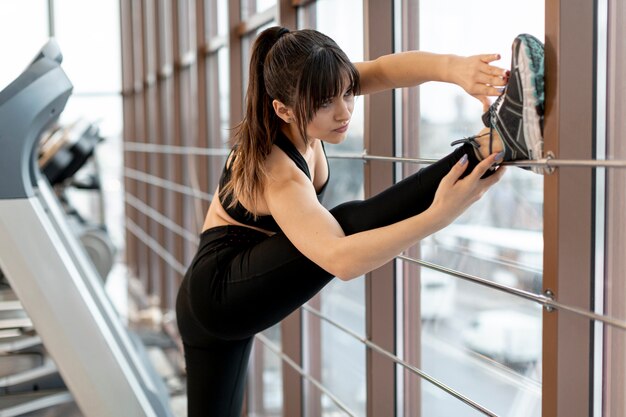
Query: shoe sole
530, 68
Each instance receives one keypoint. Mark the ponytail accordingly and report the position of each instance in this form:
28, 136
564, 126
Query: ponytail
254, 136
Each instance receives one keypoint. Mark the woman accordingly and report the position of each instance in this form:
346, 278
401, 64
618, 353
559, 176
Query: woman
268, 244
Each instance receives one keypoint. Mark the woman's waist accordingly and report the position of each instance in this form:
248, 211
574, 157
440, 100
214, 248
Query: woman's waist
230, 233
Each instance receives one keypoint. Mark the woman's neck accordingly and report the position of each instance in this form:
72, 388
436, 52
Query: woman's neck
293, 134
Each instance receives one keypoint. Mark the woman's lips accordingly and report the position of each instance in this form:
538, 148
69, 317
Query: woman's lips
342, 129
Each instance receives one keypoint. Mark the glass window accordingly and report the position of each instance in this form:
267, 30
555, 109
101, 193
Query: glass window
224, 93
24, 30
93, 64
252, 7
466, 329
222, 17
89, 36
262, 5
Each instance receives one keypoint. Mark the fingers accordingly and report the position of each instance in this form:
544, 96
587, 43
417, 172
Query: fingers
491, 69
485, 90
488, 81
486, 104
492, 91
485, 164
487, 58
495, 80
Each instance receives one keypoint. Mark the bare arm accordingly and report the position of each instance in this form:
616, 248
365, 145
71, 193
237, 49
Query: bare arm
405, 69
315, 232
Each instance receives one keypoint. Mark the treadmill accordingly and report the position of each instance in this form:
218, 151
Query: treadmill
103, 365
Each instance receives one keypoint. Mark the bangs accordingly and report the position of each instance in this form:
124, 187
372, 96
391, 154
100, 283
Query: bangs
327, 74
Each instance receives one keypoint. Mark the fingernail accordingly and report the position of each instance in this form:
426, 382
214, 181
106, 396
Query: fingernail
500, 157
463, 160
500, 89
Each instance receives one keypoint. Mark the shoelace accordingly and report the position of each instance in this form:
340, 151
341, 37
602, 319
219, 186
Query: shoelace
472, 140
493, 120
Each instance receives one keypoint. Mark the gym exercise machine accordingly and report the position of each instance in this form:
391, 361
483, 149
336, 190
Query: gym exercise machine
49, 270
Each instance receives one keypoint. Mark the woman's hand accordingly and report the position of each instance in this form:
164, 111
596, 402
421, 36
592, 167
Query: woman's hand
455, 195
477, 77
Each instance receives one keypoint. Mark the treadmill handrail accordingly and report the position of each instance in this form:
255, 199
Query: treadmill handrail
28, 106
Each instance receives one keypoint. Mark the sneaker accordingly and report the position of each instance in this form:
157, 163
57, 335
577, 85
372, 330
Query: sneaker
517, 115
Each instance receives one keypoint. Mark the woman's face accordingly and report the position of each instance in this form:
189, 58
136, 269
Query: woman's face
330, 122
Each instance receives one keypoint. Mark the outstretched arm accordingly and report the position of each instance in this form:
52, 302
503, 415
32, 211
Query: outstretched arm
317, 235
474, 74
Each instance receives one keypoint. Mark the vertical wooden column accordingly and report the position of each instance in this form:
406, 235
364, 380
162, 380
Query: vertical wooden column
166, 137
568, 205
312, 325
411, 273
143, 252
202, 107
180, 120
291, 327
380, 284
235, 60
151, 116
128, 92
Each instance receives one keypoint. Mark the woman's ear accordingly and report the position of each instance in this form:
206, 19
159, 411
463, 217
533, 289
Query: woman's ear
284, 112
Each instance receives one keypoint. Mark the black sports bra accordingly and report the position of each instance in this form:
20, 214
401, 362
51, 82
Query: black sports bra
239, 213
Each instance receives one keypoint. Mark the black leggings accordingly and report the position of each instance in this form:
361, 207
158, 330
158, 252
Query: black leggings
242, 281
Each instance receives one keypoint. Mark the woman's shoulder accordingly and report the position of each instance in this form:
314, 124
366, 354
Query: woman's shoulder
281, 169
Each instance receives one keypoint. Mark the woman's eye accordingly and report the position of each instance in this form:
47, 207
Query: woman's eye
348, 93
326, 103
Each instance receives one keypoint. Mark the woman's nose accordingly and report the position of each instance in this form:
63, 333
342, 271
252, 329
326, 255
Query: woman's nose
344, 110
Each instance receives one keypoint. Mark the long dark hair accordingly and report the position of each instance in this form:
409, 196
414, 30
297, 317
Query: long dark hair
302, 69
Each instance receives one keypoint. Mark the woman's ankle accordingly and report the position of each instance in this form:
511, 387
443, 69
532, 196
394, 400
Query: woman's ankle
484, 139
